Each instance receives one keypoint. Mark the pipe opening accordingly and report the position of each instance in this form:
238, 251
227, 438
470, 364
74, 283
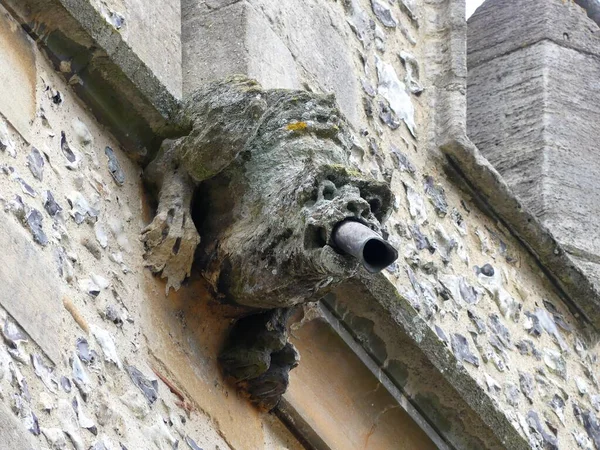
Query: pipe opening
356, 239
377, 255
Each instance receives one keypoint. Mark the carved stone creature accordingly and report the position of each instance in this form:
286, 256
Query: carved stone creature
274, 178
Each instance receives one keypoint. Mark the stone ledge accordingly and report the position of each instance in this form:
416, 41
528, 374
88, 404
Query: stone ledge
103, 70
578, 291
456, 406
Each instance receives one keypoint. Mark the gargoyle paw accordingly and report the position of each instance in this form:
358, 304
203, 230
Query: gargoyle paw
171, 240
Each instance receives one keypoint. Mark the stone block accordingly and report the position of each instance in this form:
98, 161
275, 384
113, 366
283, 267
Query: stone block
336, 395
317, 35
290, 45
17, 76
30, 287
505, 100
241, 42
153, 30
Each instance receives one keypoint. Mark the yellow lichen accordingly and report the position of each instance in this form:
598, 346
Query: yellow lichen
297, 126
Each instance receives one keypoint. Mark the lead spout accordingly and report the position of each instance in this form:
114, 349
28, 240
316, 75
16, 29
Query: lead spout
358, 240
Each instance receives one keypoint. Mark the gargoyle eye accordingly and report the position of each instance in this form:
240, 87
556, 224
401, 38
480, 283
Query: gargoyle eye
375, 205
328, 192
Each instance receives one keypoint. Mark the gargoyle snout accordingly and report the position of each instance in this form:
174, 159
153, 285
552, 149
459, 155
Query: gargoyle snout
358, 240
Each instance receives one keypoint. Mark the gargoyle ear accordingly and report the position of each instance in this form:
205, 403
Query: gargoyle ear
224, 116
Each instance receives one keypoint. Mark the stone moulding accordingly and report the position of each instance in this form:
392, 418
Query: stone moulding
104, 71
495, 427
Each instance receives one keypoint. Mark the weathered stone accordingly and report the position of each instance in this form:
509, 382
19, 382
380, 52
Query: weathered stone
35, 162
136, 403
80, 208
69, 424
416, 205
361, 23
384, 14
107, 344
547, 439
44, 373
258, 357
512, 393
25, 187
558, 406
66, 149
461, 350
255, 130
555, 363
50, 205
479, 323
404, 164
80, 377
411, 79
436, 196
148, 387
114, 167
19, 77
445, 246
527, 385
239, 48
7, 144
591, 425
34, 222
394, 91
486, 270
500, 331
440, 333
34, 303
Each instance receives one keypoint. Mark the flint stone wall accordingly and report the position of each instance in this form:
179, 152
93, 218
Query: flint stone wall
475, 307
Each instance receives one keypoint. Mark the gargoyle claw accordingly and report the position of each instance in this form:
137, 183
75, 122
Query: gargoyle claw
171, 240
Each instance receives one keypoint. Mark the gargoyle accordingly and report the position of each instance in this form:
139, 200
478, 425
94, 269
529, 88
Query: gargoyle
279, 202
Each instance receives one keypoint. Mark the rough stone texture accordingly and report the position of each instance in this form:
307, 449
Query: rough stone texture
267, 243
412, 360
592, 8
510, 134
17, 99
447, 219
279, 216
546, 156
564, 23
14, 436
258, 357
104, 310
